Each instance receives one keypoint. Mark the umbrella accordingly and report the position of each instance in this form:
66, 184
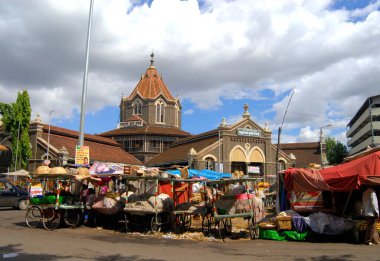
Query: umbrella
3, 148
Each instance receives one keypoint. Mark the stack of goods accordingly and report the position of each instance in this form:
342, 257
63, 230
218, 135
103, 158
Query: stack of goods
148, 203
285, 226
109, 205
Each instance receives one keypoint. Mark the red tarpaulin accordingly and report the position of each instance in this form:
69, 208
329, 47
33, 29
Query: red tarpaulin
344, 177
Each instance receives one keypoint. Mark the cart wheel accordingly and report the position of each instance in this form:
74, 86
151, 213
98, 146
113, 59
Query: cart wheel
184, 221
51, 218
33, 217
228, 226
155, 223
72, 218
126, 222
253, 229
221, 231
206, 224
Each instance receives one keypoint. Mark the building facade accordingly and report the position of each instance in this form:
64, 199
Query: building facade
363, 130
244, 146
150, 117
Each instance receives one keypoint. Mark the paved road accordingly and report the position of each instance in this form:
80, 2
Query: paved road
18, 242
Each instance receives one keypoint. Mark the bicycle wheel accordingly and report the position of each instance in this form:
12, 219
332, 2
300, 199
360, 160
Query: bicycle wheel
33, 217
72, 217
253, 229
51, 218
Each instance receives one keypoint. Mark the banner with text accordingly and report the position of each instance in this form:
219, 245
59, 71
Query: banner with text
82, 155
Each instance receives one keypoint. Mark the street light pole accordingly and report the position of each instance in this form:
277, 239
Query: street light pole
322, 142
84, 88
48, 141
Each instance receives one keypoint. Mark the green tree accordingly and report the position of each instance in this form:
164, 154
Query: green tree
335, 151
16, 120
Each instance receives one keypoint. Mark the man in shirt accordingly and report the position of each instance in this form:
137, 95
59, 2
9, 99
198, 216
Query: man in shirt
371, 211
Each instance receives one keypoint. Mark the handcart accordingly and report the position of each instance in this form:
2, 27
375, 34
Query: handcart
146, 204
231, 199
186, 203
48, 206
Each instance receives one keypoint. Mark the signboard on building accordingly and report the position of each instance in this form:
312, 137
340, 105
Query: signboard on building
248, 132
82, 155
253, 170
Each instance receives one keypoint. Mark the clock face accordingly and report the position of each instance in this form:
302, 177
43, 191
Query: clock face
247, 146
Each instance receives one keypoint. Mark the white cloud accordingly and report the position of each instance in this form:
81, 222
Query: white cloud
228, 50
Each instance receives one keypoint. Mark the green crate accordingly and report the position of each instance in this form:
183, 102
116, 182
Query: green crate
45, 200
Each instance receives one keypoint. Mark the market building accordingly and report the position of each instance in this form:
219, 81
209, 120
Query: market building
243, 146
363, 130
62, 143
150, 117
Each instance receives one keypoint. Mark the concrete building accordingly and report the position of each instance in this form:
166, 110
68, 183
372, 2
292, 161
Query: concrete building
363, 130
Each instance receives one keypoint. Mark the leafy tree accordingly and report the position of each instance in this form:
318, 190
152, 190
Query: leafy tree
16, 120
335, 151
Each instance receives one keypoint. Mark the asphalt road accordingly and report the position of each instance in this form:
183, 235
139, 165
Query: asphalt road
18, 242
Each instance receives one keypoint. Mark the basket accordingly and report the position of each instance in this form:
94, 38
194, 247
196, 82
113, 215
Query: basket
284, 223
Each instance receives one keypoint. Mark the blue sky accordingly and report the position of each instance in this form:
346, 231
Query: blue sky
216, 55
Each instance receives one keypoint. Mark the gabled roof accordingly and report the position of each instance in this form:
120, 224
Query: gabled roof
135, 118
148, 130
101, 148
151, 85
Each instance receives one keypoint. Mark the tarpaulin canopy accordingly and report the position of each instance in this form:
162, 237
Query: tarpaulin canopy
205, 173
344, 177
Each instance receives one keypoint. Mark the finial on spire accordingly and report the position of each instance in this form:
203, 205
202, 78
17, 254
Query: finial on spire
246, 113
152, 60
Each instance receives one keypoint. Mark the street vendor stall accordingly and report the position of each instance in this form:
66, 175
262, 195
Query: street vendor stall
330, 196
53, 199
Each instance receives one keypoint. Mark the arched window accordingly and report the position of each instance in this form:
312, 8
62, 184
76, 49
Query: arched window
137, 107
210, 163
160, 111
176, 115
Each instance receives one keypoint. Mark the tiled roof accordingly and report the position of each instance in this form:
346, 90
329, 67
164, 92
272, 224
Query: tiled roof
305, 153
151, 86
150, 130
178, 153
135, 118
75, 134
101, 149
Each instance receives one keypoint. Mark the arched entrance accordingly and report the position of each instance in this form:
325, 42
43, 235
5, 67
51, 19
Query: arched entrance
256, 162
238, 159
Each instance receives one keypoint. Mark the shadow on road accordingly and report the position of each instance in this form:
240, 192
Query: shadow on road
328, 258
14, 252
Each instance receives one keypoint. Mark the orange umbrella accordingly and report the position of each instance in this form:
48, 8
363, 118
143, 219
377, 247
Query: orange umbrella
2, 147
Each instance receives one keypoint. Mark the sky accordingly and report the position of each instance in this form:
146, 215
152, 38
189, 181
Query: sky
216, 55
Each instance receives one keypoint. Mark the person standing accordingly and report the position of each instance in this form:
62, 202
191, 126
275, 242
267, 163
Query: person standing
371, 211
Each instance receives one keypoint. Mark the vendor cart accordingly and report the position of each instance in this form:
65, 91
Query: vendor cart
231, 198
145, 204
48, 204
187, 204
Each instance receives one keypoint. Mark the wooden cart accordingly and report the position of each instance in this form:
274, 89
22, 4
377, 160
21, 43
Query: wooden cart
221, 217
143, 211
49, 208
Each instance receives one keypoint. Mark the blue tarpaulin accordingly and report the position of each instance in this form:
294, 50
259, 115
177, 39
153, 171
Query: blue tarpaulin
205, 173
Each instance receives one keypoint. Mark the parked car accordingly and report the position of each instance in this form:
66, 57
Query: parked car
12, 196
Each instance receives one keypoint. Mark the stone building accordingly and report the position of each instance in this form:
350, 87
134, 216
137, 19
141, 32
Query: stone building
150, 117
243, 146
